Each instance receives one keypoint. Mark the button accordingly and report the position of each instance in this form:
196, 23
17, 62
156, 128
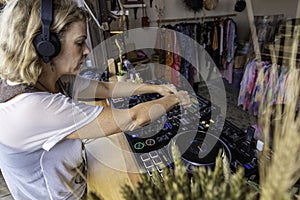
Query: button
150, 142
153, 154
139, 145
247, 166
157, 160
201, 127
168, 125
148, 163
145, 156
194, 100
259, 145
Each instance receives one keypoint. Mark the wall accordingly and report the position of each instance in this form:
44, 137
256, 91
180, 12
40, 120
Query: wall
265, 7
176, 9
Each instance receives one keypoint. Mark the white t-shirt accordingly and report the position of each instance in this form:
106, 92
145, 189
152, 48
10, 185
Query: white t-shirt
35, 159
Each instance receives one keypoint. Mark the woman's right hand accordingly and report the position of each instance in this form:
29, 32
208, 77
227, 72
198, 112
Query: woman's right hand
183, 98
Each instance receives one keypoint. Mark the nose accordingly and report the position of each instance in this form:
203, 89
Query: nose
86, 50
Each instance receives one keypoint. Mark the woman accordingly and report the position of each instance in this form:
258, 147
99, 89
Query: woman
41, 152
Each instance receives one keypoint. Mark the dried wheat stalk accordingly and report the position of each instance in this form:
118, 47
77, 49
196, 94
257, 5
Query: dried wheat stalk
280, 167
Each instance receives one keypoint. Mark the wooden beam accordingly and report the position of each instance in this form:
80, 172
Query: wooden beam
98, 11
253, 30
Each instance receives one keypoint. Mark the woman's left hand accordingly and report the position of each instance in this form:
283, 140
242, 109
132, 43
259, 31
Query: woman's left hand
166, 89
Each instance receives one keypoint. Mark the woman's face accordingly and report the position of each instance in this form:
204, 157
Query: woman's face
73, 49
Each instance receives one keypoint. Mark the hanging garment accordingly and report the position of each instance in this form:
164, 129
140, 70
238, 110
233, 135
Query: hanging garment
231, 46
215, 44
280, 87
270, 87
291, 85
231, 40
247, 85
221, 25
259, 90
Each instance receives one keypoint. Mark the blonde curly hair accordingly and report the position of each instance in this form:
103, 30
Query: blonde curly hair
20, 23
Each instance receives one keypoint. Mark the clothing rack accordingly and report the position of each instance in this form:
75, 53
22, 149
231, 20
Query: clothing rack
215, 37
277, 52
278, 57
195, 18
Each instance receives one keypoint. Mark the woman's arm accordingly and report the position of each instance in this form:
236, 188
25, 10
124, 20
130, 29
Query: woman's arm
98, 89
111, 121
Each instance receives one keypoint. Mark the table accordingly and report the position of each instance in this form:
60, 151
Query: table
111, 164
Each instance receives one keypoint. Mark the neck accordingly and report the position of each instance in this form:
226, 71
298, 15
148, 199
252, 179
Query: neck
44, 87
47, 80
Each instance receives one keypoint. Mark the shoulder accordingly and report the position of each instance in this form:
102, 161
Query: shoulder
67, 78
39, 102
72, 84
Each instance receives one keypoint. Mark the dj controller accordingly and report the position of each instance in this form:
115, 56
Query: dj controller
198, 135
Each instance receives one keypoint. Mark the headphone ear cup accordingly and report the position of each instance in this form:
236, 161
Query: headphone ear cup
56, 43
47, 49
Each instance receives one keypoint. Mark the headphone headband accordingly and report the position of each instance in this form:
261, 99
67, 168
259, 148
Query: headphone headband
46, 18
46, 44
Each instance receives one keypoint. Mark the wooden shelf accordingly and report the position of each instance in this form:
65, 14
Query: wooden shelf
135, 6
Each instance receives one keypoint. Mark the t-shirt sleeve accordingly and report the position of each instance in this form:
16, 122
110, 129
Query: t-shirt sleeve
69, 117
44, 119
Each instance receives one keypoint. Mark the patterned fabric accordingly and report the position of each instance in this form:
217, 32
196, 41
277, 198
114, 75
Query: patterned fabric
270, 87
260, 87
266, 84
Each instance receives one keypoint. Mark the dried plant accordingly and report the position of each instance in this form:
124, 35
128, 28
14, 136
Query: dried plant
280, 161
93, 196
204, 183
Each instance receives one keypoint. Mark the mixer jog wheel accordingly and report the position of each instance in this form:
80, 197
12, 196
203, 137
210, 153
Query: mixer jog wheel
199, 148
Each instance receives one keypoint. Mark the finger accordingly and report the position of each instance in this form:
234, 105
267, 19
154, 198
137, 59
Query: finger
186, 102
171, 88
184, 98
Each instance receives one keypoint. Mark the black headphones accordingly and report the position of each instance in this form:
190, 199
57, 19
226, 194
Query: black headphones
46, 44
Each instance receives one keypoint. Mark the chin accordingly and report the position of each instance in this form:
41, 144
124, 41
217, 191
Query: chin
76, 70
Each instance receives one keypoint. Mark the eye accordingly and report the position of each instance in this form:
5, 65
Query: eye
80, 43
